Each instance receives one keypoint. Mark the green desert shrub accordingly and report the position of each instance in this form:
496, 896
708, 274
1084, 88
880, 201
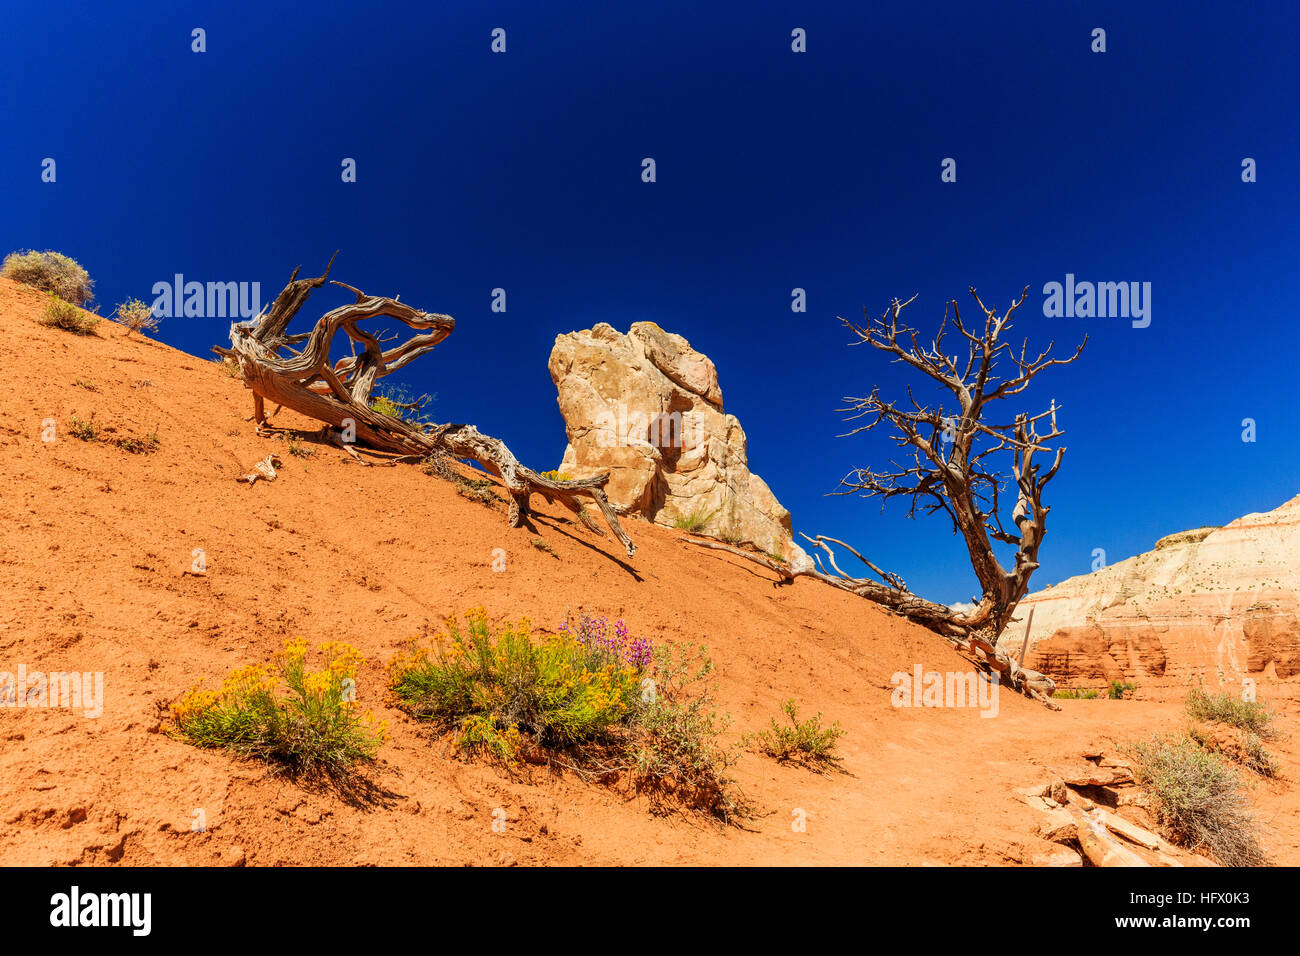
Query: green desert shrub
59, 314
305, 720
804, 741
85, 430
50, 272
1120, 689
506, 693
674, 749
1226, 708
1198, 799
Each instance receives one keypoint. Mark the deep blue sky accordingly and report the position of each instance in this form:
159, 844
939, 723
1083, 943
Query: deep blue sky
775, 170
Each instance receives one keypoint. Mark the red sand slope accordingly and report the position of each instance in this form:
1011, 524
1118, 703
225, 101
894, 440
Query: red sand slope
93, 571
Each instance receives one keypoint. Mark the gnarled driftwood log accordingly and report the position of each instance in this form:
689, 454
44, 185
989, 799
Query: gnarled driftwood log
273, 366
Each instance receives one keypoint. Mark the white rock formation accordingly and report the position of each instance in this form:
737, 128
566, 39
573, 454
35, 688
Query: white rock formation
1214, 606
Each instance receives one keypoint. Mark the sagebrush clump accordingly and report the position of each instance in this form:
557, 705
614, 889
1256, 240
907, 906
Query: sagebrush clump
1249, 715
51, 272
312, 728
1198, 799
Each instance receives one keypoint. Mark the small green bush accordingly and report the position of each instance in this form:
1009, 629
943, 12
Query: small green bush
64, 315
674, 749
85, 430
806, 742
495, 688
1226, 708
1120, 689
50, 272
1198, 799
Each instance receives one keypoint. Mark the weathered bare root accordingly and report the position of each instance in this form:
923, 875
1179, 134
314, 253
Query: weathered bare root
294, 371
937, 617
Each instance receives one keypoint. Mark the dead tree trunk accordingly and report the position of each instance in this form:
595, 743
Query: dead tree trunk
339, 394
950, 451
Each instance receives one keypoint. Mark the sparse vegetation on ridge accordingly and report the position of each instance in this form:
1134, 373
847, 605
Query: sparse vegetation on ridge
475, 489
136, 316
51, 272
89, 431
228, 365
59, 314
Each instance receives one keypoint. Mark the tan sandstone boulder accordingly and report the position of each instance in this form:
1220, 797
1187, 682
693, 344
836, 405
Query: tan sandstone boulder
647, 408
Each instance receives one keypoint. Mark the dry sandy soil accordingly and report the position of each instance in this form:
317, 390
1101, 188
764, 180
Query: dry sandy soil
94, 571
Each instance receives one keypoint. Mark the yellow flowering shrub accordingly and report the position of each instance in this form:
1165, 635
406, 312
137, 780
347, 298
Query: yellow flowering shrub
286, 711
604, 706
496, 689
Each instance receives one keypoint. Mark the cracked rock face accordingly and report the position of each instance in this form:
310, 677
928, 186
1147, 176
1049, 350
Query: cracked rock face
647, 408
1214, 605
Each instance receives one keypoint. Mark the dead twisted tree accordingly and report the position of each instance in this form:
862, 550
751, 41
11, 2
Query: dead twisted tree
294, 371
949, 468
